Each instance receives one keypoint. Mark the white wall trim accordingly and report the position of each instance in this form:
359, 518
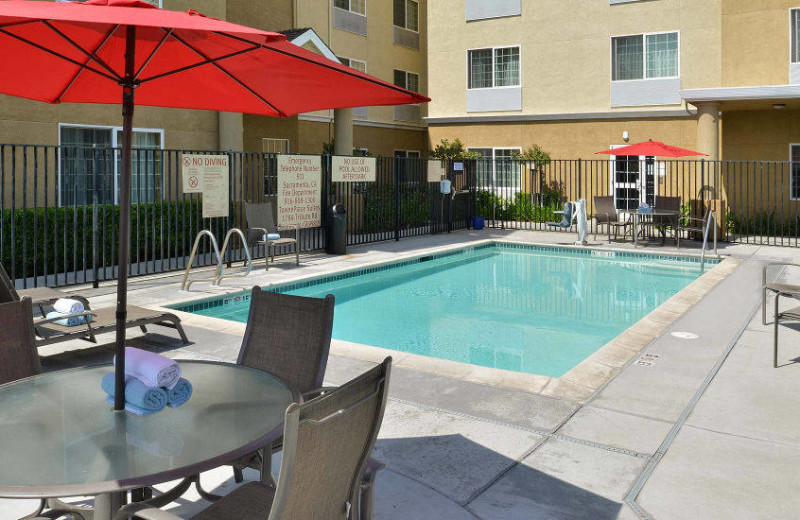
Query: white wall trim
768, 92
374, 124
312, 37
619, 114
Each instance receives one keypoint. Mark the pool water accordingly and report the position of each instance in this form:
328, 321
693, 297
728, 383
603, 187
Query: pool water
521, 308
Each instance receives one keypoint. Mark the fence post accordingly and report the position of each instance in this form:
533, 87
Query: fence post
397, 162
95, 220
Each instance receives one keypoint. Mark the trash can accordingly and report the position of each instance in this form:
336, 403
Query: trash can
477, 222
337, 230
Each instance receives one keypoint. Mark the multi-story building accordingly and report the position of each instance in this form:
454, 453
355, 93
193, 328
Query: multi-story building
718, 76
382, 38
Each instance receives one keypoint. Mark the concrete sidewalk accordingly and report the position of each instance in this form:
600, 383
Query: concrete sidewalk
709, 430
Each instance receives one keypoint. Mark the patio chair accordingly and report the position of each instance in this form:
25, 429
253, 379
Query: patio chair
327, 442
694, 225
290, 337
20, 358
606, 213
662, 222
778, 289
261, 224
103, 319
567, 215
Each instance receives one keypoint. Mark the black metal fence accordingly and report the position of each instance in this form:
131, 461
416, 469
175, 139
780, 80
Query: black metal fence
59, 211
756, 202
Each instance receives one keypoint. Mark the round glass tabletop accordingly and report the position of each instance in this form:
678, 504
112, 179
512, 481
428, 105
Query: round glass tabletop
60, 437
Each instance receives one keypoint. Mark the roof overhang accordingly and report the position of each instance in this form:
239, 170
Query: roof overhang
311, 38
771, 93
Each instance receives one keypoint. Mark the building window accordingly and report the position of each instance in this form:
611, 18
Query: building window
498, 168
406, 14
491, 68
645, 56
90, 162
794, 175
360, 66
354, 6
407, 80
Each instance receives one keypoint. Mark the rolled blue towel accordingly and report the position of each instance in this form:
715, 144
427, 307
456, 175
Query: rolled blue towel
138, 394
180, 392
74, 321
132, 408
270, 236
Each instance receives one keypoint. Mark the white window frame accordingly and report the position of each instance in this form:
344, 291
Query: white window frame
644, 56
518, 46
406, 19
419, 154
791, 172
498, 189
351, 60
349, 10
793, 38
407, 72
114, 144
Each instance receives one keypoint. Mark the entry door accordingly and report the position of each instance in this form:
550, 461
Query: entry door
632, 180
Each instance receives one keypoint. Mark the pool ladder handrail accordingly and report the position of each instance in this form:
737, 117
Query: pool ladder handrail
217, 277
712, 217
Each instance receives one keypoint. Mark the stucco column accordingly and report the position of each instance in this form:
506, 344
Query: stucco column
708, 130
343, 131
231, 131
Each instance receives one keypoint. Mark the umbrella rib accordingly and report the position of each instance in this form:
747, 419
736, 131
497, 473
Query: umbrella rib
77, 74
231, 76
153, 54
114, 78
90, 55
198, 64
289, 54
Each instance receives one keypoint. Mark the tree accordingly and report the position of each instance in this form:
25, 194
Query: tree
447, 149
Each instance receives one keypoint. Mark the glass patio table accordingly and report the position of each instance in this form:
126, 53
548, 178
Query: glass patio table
652, 213
59, 437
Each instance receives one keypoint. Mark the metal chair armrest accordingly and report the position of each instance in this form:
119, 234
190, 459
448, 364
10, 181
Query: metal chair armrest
774, 264
144, 512
263, 230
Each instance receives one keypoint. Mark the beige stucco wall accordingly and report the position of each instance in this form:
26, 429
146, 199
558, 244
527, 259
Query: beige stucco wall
565, 49
755, 42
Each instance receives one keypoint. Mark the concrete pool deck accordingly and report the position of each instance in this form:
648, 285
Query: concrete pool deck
704, 428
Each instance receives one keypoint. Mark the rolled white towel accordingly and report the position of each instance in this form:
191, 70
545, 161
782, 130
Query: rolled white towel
149, 368
68, 306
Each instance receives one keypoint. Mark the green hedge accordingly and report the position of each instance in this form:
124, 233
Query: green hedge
52, 231
521, 208
379, 207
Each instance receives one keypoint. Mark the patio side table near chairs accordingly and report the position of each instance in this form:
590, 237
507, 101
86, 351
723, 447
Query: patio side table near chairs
670, 209
778, 289
326, 445
263, 231
606, 214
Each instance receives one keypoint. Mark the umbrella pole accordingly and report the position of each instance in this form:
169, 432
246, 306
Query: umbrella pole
124, 216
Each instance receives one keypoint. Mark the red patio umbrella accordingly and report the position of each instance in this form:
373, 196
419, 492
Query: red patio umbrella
651, 149
112, 51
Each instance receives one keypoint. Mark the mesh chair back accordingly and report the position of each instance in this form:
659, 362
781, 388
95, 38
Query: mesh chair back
604, 210
288, 336
20, 358
259, 215
326, 444
7, 291
671, 204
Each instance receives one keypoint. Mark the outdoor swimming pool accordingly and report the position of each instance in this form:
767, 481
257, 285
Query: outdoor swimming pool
540, 310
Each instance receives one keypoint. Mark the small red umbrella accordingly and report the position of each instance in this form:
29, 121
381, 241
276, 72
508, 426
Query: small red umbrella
112, 51
651, 149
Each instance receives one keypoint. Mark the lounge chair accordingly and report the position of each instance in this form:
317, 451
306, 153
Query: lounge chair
40, 296
606, 213
662, 222
326, 445
778, 289
103, 320
261, 224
